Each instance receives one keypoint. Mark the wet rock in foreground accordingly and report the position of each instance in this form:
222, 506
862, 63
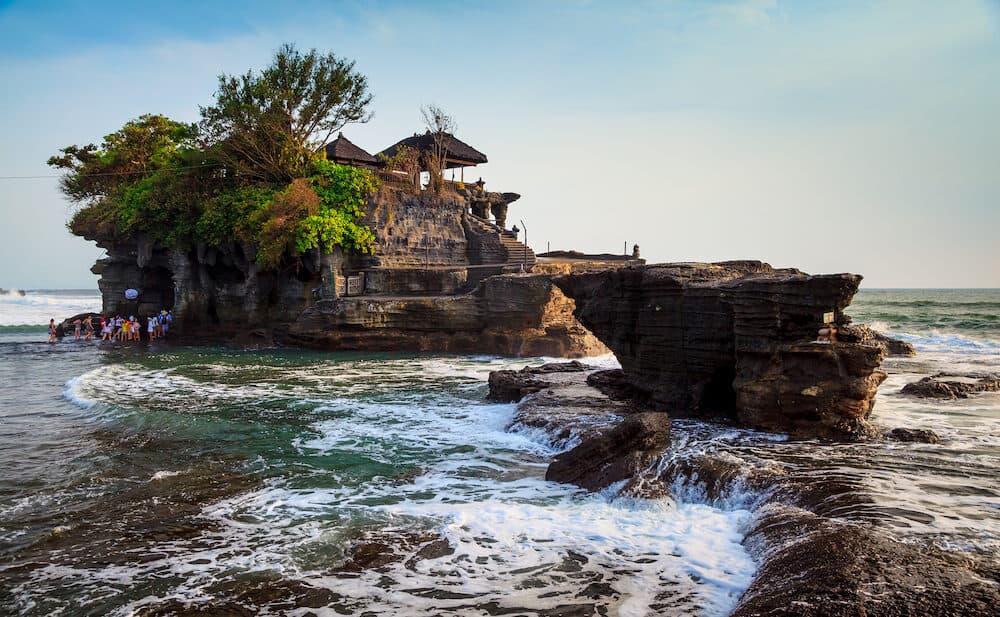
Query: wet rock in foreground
555, 398
944, 386
614, 384
914, 435
508, 386
817, 567
613, 455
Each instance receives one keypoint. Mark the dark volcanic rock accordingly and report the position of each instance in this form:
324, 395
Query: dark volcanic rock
864, 334
810, 390
736, 341
511, 386
896, 347
915, 435
952, 386
67, 326
613, 383
816, 567
573, 366
618, 454
556, 398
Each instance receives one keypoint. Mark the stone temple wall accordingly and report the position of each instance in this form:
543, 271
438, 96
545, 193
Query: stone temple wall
417, 230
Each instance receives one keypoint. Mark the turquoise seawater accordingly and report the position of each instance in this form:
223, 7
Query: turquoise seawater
933, 317
165, 480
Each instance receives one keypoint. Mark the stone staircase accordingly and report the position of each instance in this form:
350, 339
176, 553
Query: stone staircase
509, 253
518, 253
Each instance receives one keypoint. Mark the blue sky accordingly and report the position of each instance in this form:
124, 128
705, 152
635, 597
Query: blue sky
846, 136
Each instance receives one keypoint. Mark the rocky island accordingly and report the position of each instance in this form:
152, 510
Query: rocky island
264, 224
440, 278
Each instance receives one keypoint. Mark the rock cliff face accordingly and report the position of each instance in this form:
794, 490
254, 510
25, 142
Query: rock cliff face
214, 292
413, 293
222, 296
734, 340
513, 315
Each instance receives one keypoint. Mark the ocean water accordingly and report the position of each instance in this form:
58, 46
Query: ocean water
149, 480
37, 306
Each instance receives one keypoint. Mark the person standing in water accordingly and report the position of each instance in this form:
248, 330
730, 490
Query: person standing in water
52, 330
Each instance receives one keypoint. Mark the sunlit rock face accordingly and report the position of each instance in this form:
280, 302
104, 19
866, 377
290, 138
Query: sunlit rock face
510, 315
735, 340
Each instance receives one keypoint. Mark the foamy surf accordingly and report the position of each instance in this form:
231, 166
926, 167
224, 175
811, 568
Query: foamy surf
344, 483
77, 392
163, 475
405, 448
36, 308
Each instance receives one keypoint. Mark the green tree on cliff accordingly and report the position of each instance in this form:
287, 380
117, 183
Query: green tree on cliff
140, 148
147, 176
253, 172
270, 124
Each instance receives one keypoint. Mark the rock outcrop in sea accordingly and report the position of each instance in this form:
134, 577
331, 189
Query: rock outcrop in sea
944, 386
819, 554
620, 453
735, 341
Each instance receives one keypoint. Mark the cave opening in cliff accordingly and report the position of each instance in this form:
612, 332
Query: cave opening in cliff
719, 396
225, 273
158, 288
213, 314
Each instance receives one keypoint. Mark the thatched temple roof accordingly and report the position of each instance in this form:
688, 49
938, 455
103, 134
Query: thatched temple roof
344, 151
460, 154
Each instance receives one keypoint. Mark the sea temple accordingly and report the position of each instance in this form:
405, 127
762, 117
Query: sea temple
447, 273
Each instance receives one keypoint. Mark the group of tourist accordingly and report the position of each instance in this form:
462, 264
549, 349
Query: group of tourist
118, 328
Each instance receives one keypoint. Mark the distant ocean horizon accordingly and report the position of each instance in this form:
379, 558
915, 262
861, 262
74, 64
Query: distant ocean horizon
34, 309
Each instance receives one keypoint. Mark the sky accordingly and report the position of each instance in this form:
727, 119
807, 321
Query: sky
829, 136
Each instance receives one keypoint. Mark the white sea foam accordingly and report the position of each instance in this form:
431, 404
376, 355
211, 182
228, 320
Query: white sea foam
77, 392
163, 475
944, 342
36, 308
515, 539
522, 543
603, 361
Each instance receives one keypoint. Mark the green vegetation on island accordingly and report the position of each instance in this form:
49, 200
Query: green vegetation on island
253, 170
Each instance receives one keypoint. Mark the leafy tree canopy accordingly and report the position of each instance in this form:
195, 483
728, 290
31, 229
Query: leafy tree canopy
253, 171
270, 124
142, 146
